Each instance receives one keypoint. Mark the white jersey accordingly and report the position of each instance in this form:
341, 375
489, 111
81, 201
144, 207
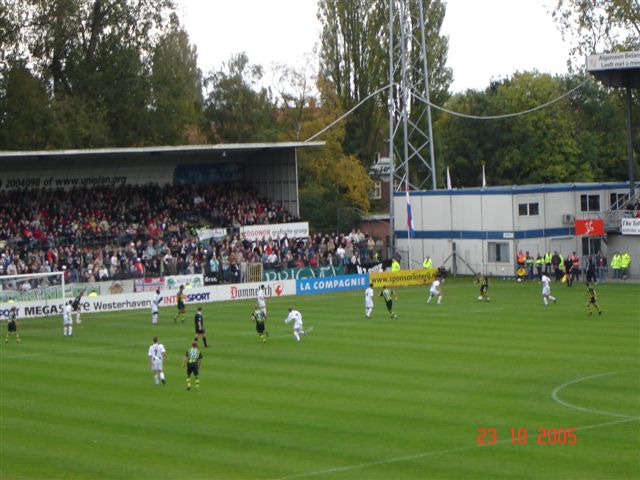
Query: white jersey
546, 289
66, 315
435, 288
155, 303
296, 318
368, 297
261, 300
156, 354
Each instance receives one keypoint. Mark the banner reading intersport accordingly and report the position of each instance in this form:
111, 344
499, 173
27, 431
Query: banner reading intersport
405, 277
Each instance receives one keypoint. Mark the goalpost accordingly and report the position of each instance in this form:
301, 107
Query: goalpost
47, 287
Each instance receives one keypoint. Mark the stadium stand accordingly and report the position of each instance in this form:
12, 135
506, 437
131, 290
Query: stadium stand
124, 232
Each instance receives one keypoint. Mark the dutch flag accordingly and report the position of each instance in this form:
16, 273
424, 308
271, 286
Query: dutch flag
410, 226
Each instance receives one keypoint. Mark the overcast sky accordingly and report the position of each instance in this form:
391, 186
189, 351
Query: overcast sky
487, 38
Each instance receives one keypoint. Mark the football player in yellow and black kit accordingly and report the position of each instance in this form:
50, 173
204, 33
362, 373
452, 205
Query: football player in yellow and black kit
12, 326
260, 318
484, 287
193, 360
592, 300
180, 297
389, 296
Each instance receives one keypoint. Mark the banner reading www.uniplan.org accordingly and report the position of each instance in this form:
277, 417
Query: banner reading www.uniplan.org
332, 284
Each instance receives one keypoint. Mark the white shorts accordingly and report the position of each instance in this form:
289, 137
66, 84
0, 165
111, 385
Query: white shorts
434, 291
263, 308
546, 290
156, 365
368, 304
67, 321
297, 325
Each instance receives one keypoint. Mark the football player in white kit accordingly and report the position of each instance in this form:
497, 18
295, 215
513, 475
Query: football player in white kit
156, 355
155, 303
546, 290
296, 317
368, 301
67, 323
434, 291
262, 304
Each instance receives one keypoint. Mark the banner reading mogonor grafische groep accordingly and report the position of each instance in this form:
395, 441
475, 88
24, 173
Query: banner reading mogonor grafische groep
404, 277
278, 230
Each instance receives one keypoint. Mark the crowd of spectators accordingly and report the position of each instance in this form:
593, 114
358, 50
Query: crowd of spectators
134, 231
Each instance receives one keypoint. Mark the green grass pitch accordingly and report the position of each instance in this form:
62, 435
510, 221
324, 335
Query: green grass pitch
357, 398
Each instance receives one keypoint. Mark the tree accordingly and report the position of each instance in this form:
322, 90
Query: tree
597, 26
176, 83
354, 57
236, 108
25, 116
329, 179
579, 139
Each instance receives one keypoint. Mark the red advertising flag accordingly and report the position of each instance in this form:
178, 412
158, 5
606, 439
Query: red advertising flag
591, 228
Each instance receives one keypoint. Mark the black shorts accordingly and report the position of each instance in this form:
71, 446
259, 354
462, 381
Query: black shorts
483, 289
180, 306
192, 368
389, 304
592, 301
12, 327
260, 327
200, 330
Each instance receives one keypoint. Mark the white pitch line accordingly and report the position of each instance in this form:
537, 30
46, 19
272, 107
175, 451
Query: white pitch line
432, 453
554, 394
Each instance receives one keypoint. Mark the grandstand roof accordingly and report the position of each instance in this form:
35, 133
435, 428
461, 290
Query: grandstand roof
230, 152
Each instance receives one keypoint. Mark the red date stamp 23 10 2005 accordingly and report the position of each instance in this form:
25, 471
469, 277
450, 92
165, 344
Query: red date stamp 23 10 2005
520, 436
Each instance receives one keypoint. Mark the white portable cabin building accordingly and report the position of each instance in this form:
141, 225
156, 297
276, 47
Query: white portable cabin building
486, 227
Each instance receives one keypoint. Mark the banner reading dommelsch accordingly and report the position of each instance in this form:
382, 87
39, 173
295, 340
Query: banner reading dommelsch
276, 231
405, 277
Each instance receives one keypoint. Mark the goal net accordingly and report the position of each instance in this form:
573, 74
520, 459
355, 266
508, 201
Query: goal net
32, 286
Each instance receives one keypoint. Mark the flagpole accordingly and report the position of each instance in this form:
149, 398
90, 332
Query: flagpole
409, 220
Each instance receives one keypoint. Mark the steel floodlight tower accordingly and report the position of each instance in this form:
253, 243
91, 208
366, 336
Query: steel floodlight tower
410, 131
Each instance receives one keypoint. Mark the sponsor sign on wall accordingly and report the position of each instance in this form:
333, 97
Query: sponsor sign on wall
332, 284
588, 227
189, 281
302, 272
630, 226
205, 234
405, 277
275, 231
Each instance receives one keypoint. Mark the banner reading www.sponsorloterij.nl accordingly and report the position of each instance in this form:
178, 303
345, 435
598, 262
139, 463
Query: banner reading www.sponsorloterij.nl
404, 277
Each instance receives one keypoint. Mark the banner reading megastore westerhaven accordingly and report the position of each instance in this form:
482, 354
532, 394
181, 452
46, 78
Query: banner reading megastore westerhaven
276, 231
404, 277
133, 301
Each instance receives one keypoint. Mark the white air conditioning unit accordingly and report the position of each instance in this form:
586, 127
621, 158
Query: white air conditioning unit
567, 219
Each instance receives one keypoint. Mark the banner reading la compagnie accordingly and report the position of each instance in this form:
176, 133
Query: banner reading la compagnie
405, 277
